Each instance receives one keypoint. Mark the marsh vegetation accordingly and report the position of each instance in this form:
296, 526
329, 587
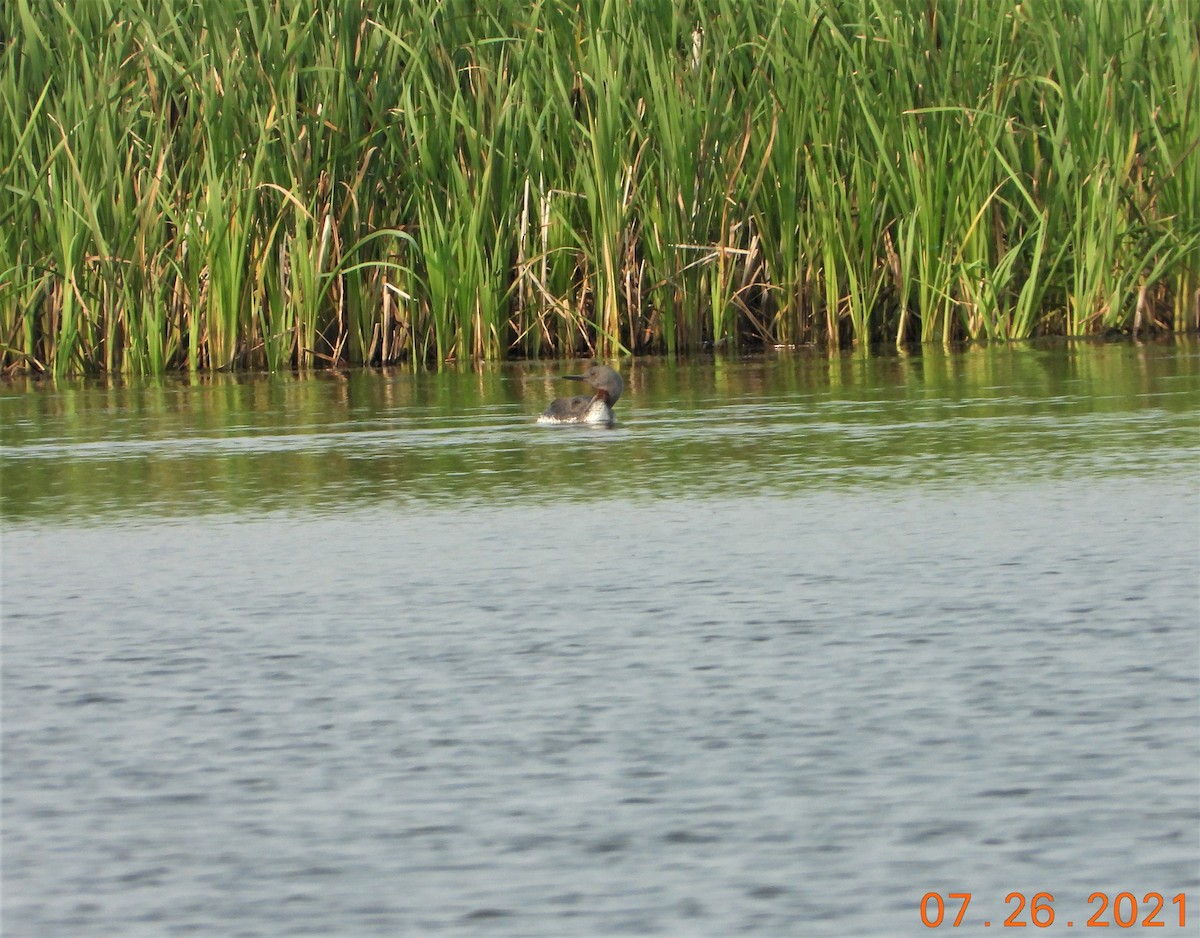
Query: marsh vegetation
274, 183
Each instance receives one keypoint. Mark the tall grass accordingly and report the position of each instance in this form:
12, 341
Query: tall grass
275, 183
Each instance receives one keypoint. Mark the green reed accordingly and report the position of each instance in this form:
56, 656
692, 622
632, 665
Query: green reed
277, 184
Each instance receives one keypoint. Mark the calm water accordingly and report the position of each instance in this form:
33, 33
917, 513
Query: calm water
800, 641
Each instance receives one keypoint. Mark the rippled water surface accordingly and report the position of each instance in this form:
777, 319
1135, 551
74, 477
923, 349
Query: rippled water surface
800, 641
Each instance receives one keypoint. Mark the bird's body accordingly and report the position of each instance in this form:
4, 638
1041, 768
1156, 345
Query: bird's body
595, 410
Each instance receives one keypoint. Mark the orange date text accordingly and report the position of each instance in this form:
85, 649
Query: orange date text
1123, 910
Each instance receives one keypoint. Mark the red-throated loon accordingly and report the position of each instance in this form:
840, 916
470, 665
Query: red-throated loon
596, 409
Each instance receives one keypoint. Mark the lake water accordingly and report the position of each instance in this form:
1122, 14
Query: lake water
800, 641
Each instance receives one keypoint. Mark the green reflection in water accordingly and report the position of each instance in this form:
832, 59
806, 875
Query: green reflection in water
781, 423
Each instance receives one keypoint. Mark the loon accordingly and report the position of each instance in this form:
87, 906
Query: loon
595, 410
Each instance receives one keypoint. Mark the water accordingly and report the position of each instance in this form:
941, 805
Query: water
800, 641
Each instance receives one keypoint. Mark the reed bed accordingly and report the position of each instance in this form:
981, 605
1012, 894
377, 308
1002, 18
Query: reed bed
206, 184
